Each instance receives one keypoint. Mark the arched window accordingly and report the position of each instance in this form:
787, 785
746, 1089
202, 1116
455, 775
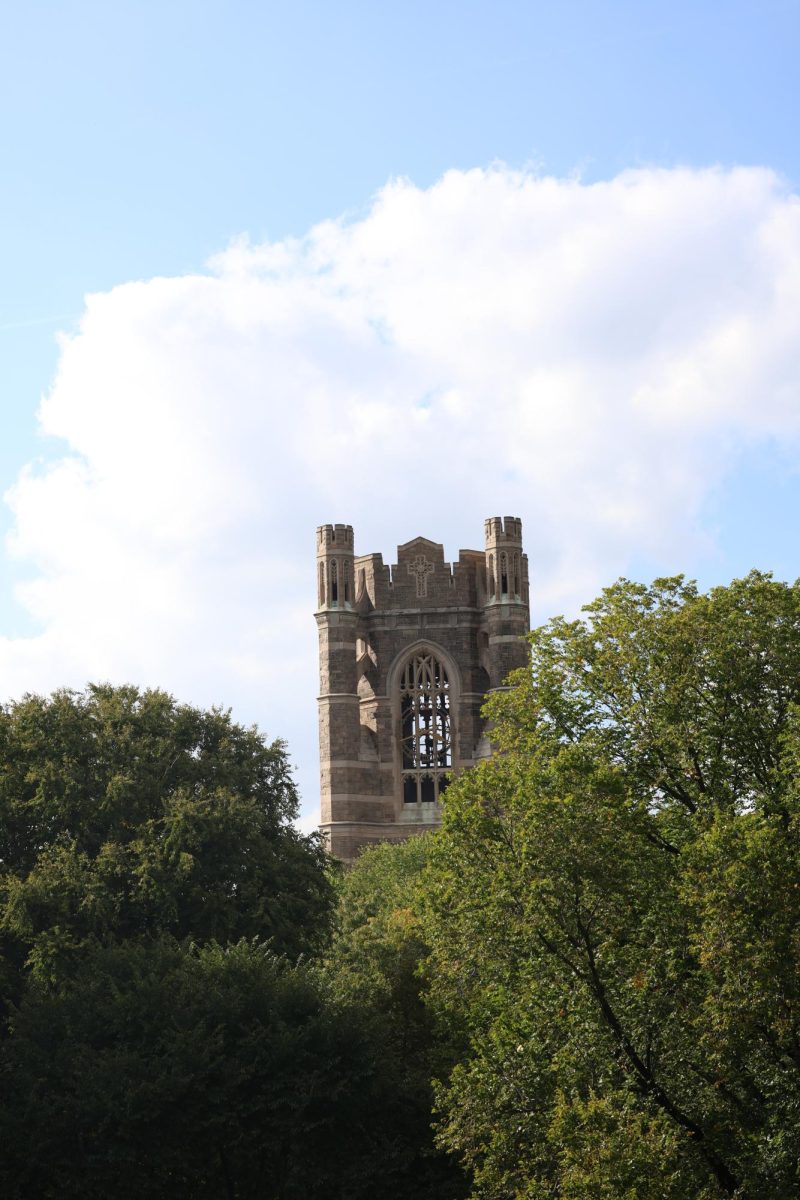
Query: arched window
321, 585
334, 592
425, 729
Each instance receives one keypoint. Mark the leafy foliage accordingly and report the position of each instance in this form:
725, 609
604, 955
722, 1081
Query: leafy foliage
614, 904
124, 814
213, 1072
151, 1045
169, 1026
378, 964
592, 973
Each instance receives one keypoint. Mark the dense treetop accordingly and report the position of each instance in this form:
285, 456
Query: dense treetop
168, 1026
123, 813
614, 906
586, 986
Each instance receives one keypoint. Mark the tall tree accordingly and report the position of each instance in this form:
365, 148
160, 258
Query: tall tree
614, 906
125, 814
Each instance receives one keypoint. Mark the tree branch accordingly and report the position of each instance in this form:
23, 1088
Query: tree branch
646, 1077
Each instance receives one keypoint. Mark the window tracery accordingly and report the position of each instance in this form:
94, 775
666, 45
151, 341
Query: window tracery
425, 729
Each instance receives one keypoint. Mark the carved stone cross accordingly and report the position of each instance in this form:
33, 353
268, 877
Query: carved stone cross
421, 567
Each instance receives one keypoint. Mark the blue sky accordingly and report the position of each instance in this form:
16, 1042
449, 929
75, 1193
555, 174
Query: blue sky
139, 140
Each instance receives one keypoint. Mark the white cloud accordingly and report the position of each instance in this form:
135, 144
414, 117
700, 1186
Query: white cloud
591, 357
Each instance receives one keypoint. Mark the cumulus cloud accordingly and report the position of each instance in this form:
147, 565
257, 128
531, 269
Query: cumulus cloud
594, 358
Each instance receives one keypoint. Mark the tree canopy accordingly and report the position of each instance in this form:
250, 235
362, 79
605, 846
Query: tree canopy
613, 906
160, 1070
175, 1020
123, 814
589, 978
157, 1037
378, 964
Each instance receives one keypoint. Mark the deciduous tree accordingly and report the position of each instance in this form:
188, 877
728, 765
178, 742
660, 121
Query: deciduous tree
614, 906
378, 965
160, 1070
125, 814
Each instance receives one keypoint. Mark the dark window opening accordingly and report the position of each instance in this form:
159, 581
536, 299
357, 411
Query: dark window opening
425, 728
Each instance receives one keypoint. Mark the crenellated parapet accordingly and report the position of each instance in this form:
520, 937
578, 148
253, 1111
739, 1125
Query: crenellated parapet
420, 579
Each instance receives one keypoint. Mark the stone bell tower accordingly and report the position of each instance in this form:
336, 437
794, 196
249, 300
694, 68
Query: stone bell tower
407, 655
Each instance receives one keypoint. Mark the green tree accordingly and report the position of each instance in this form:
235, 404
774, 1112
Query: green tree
378, 952
377, 965
124, 814
613, 906
168, 1028
161, 1070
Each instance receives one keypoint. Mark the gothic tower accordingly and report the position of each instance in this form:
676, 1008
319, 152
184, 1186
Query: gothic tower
407, 655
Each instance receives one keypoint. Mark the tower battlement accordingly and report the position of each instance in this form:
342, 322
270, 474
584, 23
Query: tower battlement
500, 530
334, 537
408, 653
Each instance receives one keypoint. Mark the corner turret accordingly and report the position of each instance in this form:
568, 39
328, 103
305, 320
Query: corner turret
506, 604
506, 565
335, 587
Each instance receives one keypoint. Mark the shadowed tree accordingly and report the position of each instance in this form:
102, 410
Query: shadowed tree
158, 1070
